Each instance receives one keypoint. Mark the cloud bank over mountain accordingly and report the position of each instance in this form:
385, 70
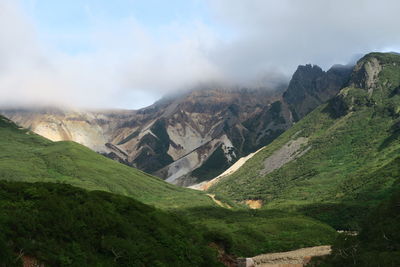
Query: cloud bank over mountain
129, 63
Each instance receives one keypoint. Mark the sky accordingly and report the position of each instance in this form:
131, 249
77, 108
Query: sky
129, 53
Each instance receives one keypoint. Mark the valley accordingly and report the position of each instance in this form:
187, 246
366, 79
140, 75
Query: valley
32, 166
187, 133
279, 174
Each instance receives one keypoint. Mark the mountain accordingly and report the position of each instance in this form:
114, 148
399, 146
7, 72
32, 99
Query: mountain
338, 161
173, 137
193, 136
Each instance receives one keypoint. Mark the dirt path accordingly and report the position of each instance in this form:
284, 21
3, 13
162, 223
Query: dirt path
295, 258
219, 203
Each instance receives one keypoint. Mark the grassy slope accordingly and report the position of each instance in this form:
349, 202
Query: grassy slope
353, 161
25, 156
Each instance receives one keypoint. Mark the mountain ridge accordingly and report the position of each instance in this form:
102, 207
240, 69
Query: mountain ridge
191, 137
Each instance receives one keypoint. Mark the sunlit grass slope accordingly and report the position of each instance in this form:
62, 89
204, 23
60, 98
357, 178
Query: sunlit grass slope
25, 156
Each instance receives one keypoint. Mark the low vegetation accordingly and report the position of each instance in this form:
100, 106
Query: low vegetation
246, 233
62, 225
378, 243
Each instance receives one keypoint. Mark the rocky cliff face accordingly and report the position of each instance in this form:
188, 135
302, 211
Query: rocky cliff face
311, 86
194, 136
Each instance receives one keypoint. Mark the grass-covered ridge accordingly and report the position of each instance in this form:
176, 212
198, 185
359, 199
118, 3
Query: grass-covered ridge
352, 156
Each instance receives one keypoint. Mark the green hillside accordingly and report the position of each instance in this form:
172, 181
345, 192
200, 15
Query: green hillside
62, 225
348, 152
25, 156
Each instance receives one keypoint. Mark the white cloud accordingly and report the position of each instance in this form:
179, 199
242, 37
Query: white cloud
290, 32
131, 65
127, 62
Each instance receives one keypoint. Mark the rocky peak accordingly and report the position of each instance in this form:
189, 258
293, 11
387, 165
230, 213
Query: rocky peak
310, 86
375, 81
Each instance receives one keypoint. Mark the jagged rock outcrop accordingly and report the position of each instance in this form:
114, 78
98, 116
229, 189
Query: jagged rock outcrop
365, 73
310, 86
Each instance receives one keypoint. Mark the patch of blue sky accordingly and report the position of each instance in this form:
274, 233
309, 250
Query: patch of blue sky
68, 24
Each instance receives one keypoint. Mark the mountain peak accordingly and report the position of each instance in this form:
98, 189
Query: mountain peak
374, 81
368, 68
310, 86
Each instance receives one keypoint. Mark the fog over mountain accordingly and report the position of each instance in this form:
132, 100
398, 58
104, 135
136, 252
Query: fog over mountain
127, 63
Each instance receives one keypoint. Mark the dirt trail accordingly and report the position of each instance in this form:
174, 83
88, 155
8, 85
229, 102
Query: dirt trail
295, 258
219, 203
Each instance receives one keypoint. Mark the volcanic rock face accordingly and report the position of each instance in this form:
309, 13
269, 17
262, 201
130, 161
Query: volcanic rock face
175, 137
192, 137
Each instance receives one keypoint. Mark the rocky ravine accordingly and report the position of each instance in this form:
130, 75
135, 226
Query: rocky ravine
192, 137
